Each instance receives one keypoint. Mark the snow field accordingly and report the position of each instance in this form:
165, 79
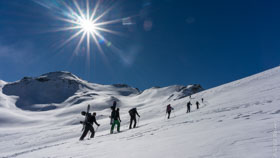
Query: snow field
236, 120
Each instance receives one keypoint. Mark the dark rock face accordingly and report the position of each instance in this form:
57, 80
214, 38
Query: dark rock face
125, 89
187, 91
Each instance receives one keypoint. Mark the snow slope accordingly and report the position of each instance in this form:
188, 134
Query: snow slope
239, 119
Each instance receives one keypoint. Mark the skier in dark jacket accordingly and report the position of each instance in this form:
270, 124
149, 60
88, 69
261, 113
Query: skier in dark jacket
115, 118
133, 112
168, 110
202, 100
189, 107
197, 105
89, 124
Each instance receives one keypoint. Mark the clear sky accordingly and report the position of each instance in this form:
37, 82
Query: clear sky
158, 42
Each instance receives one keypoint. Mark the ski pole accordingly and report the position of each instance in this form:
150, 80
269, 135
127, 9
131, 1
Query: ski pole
174, 113
88, 134
96, 128
138, 121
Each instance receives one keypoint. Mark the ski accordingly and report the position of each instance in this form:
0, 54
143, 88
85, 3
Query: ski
84, 124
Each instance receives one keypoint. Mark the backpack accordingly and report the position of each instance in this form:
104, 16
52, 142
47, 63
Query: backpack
131, 111
169, 108
113, 114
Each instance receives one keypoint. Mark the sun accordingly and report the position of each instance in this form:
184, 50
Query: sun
87, 24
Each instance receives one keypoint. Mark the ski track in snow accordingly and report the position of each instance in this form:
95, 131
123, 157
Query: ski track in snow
31, 150
239, 119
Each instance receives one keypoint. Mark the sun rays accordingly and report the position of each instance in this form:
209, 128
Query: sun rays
87, 25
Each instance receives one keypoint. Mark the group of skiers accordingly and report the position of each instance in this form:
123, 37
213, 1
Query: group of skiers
169, 108
115, 120
90, 119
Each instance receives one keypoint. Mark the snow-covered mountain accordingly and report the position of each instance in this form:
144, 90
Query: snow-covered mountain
64, 94
49, 90
39, 118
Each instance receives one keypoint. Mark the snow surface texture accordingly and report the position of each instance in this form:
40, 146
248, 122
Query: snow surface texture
236, 120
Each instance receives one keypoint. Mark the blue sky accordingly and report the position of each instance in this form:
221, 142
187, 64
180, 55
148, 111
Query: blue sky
161, 42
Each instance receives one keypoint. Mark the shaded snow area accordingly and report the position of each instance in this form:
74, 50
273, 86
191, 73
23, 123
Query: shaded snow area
236, 120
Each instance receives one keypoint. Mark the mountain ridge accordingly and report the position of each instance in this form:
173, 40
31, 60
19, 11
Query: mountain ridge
44, 92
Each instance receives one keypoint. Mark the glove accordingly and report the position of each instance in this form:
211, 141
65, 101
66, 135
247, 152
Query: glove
98, 125
81, 122
120, 120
